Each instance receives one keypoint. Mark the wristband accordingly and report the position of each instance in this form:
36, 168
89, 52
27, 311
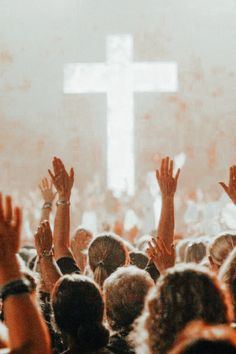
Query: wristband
15, 287
47, 205
62, 202
46, 253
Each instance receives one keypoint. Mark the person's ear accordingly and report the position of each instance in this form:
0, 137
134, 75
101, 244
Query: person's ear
213, 267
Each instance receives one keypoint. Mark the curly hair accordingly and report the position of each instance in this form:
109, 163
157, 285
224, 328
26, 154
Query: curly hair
125, 291
106, 253
185, 293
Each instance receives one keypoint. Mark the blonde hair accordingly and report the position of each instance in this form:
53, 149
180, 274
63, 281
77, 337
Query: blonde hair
106, 253
221, 247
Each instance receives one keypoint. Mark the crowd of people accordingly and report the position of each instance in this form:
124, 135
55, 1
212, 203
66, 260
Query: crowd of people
101, 293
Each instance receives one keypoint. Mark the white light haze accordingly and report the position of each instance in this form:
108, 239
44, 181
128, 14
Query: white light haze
119, 78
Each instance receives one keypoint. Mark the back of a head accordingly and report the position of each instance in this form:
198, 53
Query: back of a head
220, 248
78, 311
180, 250
125, 293
185, 293
195, 252
138, 259
227, 274
199, 338
106, 253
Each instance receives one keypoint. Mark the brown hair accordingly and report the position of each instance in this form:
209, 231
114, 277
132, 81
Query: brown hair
125, 292
106, 253
185, 293
195, 252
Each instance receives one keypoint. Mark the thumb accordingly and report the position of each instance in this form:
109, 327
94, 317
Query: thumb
223, 185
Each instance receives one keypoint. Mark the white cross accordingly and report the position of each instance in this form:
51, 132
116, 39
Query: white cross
119, 78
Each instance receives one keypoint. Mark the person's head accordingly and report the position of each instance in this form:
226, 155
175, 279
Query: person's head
219, 249
180, 250
125, 291
138, 259
199, 338
227, 274
195, 252
106, 253
185, 293
78, 309
79, 246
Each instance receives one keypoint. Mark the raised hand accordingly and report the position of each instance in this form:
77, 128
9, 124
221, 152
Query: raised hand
47, 192
10, 226
165, 178
62, 180
231, 188
43, 239
160, 255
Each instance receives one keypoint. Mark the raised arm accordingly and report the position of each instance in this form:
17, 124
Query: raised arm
48, 196
168, 184
63, 183
231, 188
49, 270
27, 331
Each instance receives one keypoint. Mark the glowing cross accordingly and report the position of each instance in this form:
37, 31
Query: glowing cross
119, 78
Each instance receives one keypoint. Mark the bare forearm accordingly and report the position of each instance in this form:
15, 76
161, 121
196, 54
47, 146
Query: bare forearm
50, 272
62, 232
167, 221
23, 329
45, 214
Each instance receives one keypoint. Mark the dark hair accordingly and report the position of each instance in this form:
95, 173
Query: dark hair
139, 259
125, 292
106, 253
185, 293
78, 311
199, 338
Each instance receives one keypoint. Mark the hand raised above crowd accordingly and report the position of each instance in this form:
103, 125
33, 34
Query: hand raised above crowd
166, 180
10, 226
43, 239
61, 179
160, 255
47, 192
231, 188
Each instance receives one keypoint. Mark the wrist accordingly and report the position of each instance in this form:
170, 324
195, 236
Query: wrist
46, 254
63, 196
9, 270
167, 198
47, 205
63, 202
